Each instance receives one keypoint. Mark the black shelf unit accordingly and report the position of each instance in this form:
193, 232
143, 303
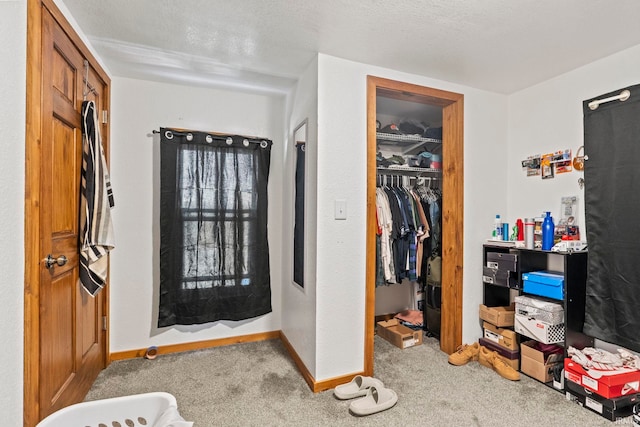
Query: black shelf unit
574, 270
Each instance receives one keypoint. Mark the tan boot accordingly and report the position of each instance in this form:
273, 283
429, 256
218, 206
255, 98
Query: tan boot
464, 354
493, 360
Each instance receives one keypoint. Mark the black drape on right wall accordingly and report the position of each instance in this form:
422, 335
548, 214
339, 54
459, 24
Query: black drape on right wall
612, 211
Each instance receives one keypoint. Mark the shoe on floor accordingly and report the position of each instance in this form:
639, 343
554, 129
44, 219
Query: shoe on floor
464, 354
492, 359
376, 400
358, 386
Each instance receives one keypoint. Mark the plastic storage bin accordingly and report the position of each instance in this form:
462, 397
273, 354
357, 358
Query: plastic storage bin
131, 411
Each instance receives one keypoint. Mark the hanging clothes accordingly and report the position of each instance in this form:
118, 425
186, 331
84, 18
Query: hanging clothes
96, 201
403, 230
611, 175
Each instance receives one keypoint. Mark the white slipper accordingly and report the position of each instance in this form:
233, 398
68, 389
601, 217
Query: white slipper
376, 400
357, 387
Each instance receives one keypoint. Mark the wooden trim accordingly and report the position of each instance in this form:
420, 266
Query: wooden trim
334, 382
452, 208
370, 274
308, 377
31, 405
452, 226
197, 345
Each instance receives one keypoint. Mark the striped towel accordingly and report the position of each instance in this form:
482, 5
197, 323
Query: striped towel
96, 201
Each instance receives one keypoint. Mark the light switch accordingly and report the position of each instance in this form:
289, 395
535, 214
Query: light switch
341, 209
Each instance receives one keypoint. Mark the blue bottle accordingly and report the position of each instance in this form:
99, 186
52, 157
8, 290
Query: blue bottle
548, 229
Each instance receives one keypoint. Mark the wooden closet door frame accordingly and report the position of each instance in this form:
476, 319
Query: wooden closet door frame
34, 123
452, 208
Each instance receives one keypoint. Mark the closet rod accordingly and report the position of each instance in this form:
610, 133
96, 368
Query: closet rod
623, 96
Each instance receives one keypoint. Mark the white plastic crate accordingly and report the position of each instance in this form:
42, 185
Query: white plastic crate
126, 411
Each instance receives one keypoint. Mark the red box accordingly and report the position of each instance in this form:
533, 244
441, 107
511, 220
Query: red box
609, 386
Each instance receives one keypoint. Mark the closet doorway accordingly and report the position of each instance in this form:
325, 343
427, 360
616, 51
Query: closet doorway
452, 209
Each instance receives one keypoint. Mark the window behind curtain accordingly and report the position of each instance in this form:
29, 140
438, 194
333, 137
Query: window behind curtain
214, 254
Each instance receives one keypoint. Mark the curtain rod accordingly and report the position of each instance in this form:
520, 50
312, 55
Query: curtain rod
623, 96
213, 135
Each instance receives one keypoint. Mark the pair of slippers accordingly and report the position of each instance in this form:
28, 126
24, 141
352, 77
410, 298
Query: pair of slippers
376, 398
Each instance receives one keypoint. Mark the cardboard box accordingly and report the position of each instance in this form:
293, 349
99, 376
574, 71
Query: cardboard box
498, 316
625, 383
539, 330
611, 409
510, 357
503, 337
533, 363
398, 334
502, 261
540, 308
499, 277
544, 283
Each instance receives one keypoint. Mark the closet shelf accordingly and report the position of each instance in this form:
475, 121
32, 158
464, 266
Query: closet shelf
406, 143
402, 170
392, 137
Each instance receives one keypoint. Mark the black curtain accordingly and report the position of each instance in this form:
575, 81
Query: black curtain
214, 254
612, 206
298, 229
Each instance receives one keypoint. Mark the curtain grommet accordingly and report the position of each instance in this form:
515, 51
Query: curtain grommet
264, 144
209, 139
168, 134
245, 142
229, 140
189, 137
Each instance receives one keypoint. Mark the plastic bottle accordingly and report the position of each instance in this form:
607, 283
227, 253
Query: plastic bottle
497, 228
529, 224
548, 229
520, 232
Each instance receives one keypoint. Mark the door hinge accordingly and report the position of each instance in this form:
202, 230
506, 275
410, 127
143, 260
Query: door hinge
105, 116
104, 323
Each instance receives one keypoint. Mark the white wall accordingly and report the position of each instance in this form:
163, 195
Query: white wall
138, 107
13, 36
548, 117
342, 174
299, 304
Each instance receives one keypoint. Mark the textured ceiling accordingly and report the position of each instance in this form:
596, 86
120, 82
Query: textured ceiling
496, 45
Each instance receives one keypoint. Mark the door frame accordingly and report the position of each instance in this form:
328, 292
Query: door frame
34, 123
452, 208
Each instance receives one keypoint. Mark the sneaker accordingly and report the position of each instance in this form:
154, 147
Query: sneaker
464, 354
492, 360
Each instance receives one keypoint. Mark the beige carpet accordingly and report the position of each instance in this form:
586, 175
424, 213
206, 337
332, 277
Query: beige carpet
256, 384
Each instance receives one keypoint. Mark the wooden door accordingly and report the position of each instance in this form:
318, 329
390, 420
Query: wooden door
65, 343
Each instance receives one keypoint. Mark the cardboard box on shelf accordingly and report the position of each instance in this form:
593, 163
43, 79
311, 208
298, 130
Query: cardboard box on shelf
510, 357
534, 364
625, 382
540, 308
502, 261
544, 283
398, 334
498, 316
611, 409
539, 330
494, 276
503, 337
